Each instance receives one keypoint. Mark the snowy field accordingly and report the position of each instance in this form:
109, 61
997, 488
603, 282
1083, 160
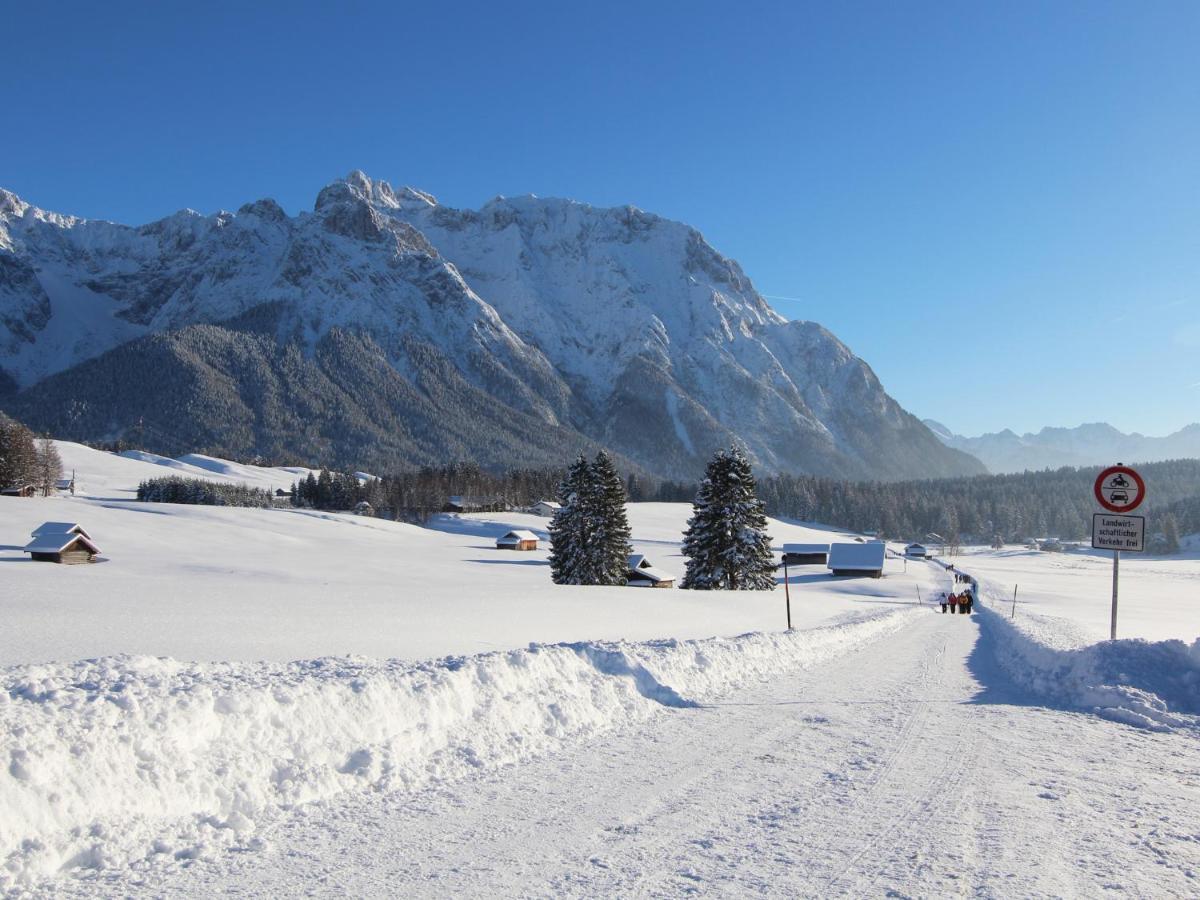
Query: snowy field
209, 583
279, 702
1159, 596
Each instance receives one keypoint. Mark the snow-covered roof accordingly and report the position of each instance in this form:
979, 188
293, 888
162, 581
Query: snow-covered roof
53, 542
639, 564
868, 557
519, 535
59, 528
552, 504
805, 548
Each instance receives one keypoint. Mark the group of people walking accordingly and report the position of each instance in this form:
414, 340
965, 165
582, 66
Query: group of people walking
956, 603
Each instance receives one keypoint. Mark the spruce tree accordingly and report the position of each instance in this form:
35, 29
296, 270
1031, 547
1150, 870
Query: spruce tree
1170, 534
608, 548
726, 542
570, 529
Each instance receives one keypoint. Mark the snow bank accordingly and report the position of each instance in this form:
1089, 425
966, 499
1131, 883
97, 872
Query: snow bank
141, 760
1150, 684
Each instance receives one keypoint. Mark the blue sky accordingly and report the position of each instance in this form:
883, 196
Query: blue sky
996, 205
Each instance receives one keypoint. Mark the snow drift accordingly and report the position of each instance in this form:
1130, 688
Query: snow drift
136, 759
1150, 684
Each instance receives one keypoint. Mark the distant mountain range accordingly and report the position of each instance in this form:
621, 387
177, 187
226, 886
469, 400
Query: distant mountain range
385, 330
1088, 445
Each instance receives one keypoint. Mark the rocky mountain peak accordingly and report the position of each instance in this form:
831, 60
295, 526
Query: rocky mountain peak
11, 205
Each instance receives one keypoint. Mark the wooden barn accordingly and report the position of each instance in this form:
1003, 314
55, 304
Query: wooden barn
805, 554
643, 574
546, 508
18, 490
858, 559
62, 542
916, 551
517, 540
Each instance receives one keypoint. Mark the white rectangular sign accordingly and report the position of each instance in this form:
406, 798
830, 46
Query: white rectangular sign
1112, 532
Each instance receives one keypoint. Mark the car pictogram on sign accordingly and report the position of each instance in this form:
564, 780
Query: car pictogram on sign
1118, 497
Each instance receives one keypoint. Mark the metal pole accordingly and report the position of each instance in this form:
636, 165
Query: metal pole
919, 600
1112, 636
787, 593
1013, 615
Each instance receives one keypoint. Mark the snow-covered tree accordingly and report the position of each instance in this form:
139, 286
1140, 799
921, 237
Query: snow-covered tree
726, 542
608, 547
18, 455
571, 527
1170, 534
49, 467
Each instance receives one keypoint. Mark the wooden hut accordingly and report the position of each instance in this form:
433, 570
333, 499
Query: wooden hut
858, 559
643, 574
805, 554
62, 542
517, 540
18, 490
545, 508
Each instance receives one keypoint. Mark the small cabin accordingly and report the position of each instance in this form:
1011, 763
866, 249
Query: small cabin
517, 540
62, 542
545, 508
916, 551
805, 554
18, 490
643, 574
858, 559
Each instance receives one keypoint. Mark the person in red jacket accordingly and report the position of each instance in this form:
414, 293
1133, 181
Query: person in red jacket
953, 603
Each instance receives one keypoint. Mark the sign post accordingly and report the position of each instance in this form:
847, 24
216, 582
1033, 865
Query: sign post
787, 592
1119, 489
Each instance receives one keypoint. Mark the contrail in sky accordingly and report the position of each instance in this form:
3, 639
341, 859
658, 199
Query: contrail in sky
777, 297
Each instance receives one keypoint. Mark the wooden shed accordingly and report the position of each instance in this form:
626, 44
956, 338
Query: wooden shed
517, 540
916, 551
643, 574
18, 490
62, 542
546, 508
858, 559
805, 554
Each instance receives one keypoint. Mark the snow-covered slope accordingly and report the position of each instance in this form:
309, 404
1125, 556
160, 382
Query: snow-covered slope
463, 332
1086, 445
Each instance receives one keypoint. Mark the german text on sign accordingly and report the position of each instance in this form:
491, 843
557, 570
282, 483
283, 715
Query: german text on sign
1111, 532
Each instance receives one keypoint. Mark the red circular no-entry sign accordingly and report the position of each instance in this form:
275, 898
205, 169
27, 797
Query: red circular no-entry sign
1120, 489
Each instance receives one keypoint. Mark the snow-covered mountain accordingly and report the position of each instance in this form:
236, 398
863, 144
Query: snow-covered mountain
383, 328
1087, 445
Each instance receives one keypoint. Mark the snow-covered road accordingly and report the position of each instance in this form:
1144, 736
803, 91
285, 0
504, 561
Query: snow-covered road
907, 767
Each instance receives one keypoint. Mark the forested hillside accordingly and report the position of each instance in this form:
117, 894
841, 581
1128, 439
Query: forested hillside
1056, 503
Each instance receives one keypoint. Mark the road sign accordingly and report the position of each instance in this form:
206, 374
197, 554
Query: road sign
1120, 489
1118, 532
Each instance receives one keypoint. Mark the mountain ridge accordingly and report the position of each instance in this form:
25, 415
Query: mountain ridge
621, 327
1092, 443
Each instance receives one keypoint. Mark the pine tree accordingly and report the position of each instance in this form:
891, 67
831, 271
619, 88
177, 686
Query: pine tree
570, 529
1170, 534
726, 543
608, 547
